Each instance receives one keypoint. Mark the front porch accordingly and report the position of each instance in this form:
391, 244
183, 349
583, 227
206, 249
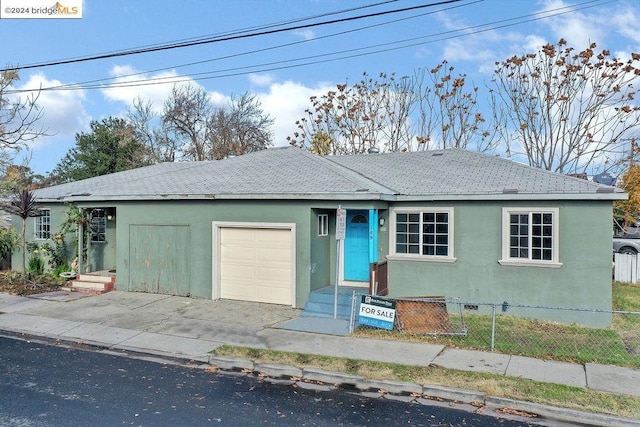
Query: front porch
322, 301
96, 282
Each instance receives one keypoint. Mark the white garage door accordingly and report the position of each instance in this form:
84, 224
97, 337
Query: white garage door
256, 264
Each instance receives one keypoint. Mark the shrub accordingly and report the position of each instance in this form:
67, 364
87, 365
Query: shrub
35, 266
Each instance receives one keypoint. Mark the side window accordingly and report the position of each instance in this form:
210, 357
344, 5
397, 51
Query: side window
42, 223
323, 225
530, 235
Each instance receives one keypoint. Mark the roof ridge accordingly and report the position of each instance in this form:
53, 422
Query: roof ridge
346, 172
360, 175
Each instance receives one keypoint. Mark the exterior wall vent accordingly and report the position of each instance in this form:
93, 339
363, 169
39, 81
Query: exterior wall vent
604, 190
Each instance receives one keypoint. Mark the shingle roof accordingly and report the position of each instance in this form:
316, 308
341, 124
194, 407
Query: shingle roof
464, 173
295, 173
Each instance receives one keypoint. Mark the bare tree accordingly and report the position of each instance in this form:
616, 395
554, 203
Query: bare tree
566, 110
241, 128
160, 146
448, 112
431, 109
186, 115
18, 116
353, 119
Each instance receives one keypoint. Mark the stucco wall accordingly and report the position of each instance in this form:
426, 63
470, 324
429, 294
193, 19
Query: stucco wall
322, 266
314, 262
583, 281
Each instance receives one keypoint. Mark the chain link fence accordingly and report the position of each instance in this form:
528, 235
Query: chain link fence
503, 327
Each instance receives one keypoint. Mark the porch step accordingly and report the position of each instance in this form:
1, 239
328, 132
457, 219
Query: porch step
87, 283
321, 302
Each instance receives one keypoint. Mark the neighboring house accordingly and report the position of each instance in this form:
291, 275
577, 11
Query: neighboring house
261, 227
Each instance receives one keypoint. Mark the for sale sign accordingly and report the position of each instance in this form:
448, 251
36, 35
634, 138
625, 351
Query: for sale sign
377, 312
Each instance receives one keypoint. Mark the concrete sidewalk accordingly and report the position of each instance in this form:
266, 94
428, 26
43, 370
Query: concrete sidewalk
188, 328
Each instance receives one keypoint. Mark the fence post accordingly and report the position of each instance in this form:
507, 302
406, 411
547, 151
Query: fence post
352, 316
493, 326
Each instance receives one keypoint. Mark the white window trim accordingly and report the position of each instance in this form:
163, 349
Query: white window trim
507, 260
413, 257
323, 225
35, 225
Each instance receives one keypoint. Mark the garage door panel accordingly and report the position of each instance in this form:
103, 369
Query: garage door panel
273, 297
274, 256
243, 292
256, 264
239, 273
272, 274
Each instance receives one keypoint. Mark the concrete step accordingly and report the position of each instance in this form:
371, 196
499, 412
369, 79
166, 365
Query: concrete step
90, 286
321, 302
325, 309
94, 278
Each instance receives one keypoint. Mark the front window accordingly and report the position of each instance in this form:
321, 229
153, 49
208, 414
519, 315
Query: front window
98, 226
42, 229
530, 235
424, 233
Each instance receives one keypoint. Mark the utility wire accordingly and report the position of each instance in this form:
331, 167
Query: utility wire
349, 53
265, 49
221, 39
239, 31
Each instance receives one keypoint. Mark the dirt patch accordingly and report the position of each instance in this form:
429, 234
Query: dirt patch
11, 283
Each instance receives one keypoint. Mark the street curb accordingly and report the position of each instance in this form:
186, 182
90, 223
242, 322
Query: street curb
559, 414
320, 380
428, 394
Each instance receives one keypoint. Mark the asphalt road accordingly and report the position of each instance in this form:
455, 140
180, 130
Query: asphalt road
48, 385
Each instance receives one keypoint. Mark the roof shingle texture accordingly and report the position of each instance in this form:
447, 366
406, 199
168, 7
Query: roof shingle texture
296, 172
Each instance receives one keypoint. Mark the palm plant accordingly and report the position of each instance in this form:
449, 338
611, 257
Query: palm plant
24, 204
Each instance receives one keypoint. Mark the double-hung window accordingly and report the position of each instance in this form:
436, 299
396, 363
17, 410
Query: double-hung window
42, 230
423, 233
530, 236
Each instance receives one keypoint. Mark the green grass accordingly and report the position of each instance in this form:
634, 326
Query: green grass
618, 345
490, 384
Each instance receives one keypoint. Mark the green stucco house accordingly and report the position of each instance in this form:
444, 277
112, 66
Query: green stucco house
262, 227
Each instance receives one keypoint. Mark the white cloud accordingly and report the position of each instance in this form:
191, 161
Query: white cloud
286, 102
63, 113
126, 90
260, 79
625, 22
155, 88
577, 28
305, 34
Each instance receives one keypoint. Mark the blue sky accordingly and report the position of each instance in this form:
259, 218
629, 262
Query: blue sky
471, 35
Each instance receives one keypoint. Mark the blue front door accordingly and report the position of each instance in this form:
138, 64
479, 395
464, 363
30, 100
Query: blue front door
356, 246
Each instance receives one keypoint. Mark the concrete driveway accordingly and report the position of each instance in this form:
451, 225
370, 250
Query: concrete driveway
232, 322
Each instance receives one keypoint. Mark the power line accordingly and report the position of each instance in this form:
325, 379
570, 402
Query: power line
348, 54
315, 39
239, 31
232, 36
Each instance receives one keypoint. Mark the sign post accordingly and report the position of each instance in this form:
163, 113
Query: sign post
341, 228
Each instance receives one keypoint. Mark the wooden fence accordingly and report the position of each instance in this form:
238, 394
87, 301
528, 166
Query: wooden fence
626, 268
